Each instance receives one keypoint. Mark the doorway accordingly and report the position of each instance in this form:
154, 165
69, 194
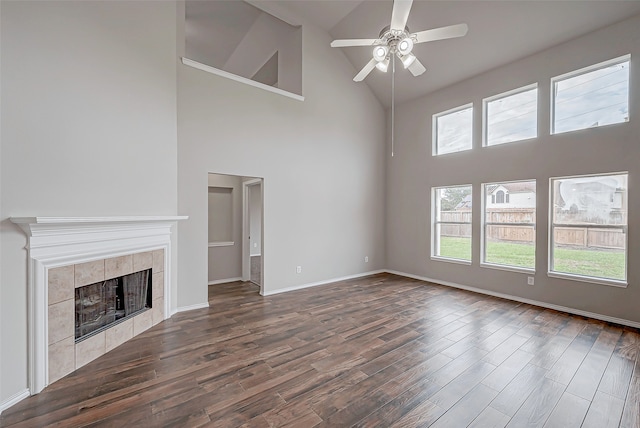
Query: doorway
252, 232
235, 211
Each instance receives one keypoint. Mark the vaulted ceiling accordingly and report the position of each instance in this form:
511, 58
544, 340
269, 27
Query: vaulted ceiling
500, 32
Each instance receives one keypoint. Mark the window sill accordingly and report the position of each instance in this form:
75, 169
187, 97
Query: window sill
508, 268
590, 279
449, 260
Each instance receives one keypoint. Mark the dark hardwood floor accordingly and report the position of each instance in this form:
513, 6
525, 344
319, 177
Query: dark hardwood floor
381, 351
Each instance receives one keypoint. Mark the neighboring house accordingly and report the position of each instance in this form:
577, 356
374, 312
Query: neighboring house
465, 204
511, 195
591, 200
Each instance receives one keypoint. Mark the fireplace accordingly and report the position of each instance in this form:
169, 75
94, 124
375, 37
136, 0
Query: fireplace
68, 253
102, 304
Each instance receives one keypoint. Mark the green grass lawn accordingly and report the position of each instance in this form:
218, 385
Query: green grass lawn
598, 263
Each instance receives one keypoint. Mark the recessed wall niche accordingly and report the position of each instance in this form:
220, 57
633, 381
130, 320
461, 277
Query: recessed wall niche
220, 215
241, 39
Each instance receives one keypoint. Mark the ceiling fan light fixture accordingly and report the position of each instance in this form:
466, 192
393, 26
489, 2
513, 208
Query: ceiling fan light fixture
383, 65
407, 60
405, 46
380, 53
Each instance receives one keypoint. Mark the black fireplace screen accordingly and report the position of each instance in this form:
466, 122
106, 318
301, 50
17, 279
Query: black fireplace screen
103, 303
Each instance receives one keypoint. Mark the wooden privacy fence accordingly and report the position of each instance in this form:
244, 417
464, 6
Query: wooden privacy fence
583, 236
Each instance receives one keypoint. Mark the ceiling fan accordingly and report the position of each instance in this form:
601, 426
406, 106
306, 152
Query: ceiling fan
396, 40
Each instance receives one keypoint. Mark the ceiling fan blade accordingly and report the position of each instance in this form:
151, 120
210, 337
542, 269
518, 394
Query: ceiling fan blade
400, 14
416, 68
449, 32
365, 71
352, 42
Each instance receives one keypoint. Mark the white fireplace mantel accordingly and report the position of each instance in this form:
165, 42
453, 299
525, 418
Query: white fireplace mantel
60, 241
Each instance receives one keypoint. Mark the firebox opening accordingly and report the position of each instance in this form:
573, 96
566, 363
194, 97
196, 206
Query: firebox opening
105, 303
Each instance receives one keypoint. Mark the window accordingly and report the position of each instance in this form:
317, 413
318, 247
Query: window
591, 97
512, 116
588, 228
452, 223
452, 130
509, 235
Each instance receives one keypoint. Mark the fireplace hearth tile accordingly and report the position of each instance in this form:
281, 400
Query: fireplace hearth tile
142, 261
62, 359
118, 266
157, 284
90, 349
118, 334
142, 322
61, 321
59, 280
157, 310
158, 261
89, 273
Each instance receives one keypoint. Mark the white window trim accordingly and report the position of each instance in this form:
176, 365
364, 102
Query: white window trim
451, 260
508, 268
433, 228
576, 277
574, 73
434, 130
483, 207
485, 114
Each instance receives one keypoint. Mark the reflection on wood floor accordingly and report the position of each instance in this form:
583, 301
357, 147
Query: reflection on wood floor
380, 351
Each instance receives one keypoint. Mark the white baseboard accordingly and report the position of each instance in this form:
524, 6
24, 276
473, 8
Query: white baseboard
14, 399
223, 281
327, 281
190, 308
522, 300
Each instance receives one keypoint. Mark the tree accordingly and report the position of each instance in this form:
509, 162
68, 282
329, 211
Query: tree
452, 196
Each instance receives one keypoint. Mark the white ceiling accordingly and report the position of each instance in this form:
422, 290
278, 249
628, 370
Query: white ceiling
499, 32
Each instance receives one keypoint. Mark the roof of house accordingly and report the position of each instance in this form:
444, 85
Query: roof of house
519, 187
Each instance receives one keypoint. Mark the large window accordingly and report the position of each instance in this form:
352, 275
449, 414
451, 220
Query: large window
452, 130
588, 228
512, 116
452, 223
509, 223
591, 97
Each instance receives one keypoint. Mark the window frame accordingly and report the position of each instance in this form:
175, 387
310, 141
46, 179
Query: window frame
485, 114
579, 72
551, 229
434, 129
435, 223
483, 231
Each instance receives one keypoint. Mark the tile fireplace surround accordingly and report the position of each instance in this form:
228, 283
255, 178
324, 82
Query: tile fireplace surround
69, 252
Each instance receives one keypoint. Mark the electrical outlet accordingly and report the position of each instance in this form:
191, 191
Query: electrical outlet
298, 269
366, 259
530, 280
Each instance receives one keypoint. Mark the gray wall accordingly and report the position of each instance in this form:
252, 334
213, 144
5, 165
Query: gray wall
89, 129
226, 262
413, 172
330, 146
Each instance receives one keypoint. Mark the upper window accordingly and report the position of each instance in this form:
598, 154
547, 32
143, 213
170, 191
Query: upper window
452, 130
509, 222
591, 97
588, 227
451, 238
512, 116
